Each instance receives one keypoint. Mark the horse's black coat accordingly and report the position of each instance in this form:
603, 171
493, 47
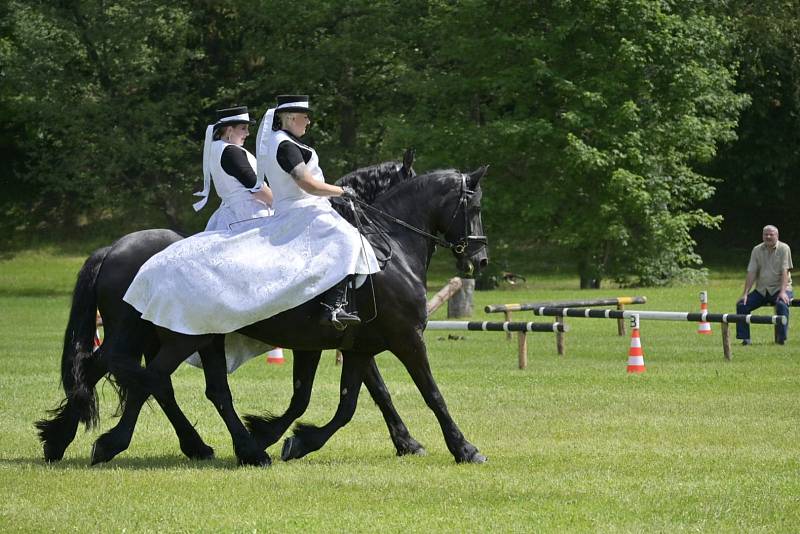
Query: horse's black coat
432, 203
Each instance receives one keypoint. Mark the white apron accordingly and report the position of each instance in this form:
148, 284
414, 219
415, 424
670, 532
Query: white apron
238, 203
218, 282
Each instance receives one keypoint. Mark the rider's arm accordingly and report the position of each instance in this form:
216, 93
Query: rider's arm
307, 183
234, 162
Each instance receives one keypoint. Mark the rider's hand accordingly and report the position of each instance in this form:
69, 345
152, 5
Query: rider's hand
348, 193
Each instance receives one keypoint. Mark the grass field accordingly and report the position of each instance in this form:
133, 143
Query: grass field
574, 443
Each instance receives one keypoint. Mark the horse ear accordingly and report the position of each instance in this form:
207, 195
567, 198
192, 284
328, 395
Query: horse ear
408, 160
475, 176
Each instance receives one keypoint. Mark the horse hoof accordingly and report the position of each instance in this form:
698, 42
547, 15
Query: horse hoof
52, 453
260, 460
474, 458
200, 453
412, 450
98, 455
291, 449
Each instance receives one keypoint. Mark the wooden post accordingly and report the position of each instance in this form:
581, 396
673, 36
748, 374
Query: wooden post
444, 294
522, 338
621, 322
460, 304
508, 318
726, 342
559, 336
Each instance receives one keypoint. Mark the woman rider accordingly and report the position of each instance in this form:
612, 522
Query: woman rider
219, 282
292, 169
232, 169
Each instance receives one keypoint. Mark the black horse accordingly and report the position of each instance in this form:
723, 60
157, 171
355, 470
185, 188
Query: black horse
446, 201
82, 368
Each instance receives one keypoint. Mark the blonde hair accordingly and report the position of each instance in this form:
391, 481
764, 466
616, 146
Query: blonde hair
285, 117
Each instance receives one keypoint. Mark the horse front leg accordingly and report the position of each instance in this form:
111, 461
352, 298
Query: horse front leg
404, 443
246, 448
414, 355
268, 429
309, 438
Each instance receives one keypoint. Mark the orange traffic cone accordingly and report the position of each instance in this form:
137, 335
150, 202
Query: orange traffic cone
703, 327
635, 354
275, 355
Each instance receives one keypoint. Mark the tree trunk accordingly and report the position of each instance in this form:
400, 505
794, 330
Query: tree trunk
460, 304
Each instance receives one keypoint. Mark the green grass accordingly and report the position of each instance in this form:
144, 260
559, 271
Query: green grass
574, 443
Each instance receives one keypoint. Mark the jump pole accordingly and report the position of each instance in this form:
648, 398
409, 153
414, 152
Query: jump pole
724, 318
521, 328
619, 302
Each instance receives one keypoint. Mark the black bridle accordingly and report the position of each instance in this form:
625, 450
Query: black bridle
459, 247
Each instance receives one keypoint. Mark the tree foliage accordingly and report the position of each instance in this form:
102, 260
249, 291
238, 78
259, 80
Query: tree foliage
601, 119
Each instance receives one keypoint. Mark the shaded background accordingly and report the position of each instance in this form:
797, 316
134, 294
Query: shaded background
628, 140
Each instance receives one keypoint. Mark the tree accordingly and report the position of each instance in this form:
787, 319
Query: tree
596, 113
99, 91
758, 171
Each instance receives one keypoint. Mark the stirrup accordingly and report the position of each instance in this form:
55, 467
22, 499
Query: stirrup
338, 318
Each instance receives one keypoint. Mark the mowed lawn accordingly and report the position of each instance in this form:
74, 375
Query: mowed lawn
696, 443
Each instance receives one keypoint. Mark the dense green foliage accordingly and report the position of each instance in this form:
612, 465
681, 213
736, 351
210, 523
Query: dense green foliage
574, 443
602, 120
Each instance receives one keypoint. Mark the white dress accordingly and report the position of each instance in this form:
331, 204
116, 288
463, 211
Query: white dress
218, 282
239, 205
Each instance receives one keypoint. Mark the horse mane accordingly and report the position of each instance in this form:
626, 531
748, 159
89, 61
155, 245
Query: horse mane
371, 182
419, 181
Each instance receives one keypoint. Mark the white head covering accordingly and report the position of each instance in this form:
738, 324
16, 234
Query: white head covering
262, 139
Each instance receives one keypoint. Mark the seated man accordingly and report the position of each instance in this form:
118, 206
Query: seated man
770, 263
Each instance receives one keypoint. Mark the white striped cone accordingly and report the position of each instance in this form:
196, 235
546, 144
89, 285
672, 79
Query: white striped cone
635, 354
275, 355
703, 327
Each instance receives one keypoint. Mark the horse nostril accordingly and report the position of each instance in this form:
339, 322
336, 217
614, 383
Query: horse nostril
483, 263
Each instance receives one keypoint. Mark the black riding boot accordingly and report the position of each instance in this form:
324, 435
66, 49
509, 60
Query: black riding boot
333, 302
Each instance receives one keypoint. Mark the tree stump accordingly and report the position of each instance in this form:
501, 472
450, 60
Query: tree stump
460, 304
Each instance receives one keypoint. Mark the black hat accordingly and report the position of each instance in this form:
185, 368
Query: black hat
232, 116
296, 103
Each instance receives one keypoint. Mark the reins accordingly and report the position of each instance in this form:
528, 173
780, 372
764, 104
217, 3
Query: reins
459, 248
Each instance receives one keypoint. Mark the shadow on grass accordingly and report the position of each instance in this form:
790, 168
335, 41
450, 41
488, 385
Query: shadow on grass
34, 292
135, 463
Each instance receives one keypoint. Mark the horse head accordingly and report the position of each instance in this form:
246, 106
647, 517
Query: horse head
465, 229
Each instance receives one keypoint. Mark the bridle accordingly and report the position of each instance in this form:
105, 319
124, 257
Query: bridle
459, 247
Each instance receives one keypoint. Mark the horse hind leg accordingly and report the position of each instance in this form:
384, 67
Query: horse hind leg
404, 443
191, 444
309, 438
267, 429
139, 384
58, 432
245, 446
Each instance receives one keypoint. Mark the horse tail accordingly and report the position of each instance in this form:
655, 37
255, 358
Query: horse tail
79, 337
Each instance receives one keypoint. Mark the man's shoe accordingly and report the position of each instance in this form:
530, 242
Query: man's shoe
781, 342
746, 342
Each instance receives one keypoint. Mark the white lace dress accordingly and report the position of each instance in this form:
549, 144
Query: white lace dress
218, 282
